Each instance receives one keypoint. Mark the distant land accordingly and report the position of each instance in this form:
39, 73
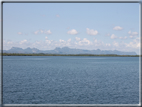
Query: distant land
66, 50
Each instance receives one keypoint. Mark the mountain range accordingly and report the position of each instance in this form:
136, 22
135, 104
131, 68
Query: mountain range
66, 50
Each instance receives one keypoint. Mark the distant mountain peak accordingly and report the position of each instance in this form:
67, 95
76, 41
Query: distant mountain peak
28, 48
16, 48
67, 50
98, 50
57, 48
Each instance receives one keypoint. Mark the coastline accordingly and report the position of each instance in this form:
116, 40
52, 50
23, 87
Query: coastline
42, 54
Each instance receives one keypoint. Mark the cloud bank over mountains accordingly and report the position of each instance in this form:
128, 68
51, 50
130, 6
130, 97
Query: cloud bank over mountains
80, 42
77, 42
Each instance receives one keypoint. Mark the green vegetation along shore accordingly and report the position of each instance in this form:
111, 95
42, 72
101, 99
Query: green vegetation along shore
42, 54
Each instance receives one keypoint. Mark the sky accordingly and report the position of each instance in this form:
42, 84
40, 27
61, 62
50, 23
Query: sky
91, 26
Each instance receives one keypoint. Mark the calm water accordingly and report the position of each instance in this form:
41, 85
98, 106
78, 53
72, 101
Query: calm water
70, 80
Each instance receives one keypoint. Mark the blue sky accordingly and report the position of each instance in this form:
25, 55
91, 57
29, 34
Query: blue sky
105, 26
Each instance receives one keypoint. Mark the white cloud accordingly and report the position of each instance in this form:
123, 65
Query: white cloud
108, 44
62, 41
98, 43
48, 41
95, 40
117, 28
36, 32
115, 44
42, 32
138, 38
85, 42
91, 31
69, 40
47, 32
9, 42
23, 41
134, 44
132, 34
113, 36
78, 43
72, 32
77, 39
123, 37
20, 33
46, 37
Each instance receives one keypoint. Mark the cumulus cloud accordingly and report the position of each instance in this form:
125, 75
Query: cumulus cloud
46, 37
91, 31
108, 44
47, 32
9, 42
98, 43
95, 41
23, 41
48, 41
36, 32
72, 32
62, 43
113, 36
85, 40
77, 39
134, 44
42, 32
132, 34
79, 43
123, 37
61, 40
82, 42
69, 40
117, 28
116, 44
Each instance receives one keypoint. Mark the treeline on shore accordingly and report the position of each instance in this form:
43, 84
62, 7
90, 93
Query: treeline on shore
43, 54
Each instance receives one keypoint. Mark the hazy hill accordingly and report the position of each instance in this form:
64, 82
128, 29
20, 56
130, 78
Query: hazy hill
66, 50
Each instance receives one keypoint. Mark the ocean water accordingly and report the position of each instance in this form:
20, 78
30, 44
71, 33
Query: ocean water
70, 80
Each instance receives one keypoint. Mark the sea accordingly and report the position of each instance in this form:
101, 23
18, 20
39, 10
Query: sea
70, 80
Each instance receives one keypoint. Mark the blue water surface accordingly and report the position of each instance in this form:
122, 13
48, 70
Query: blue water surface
70, 80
